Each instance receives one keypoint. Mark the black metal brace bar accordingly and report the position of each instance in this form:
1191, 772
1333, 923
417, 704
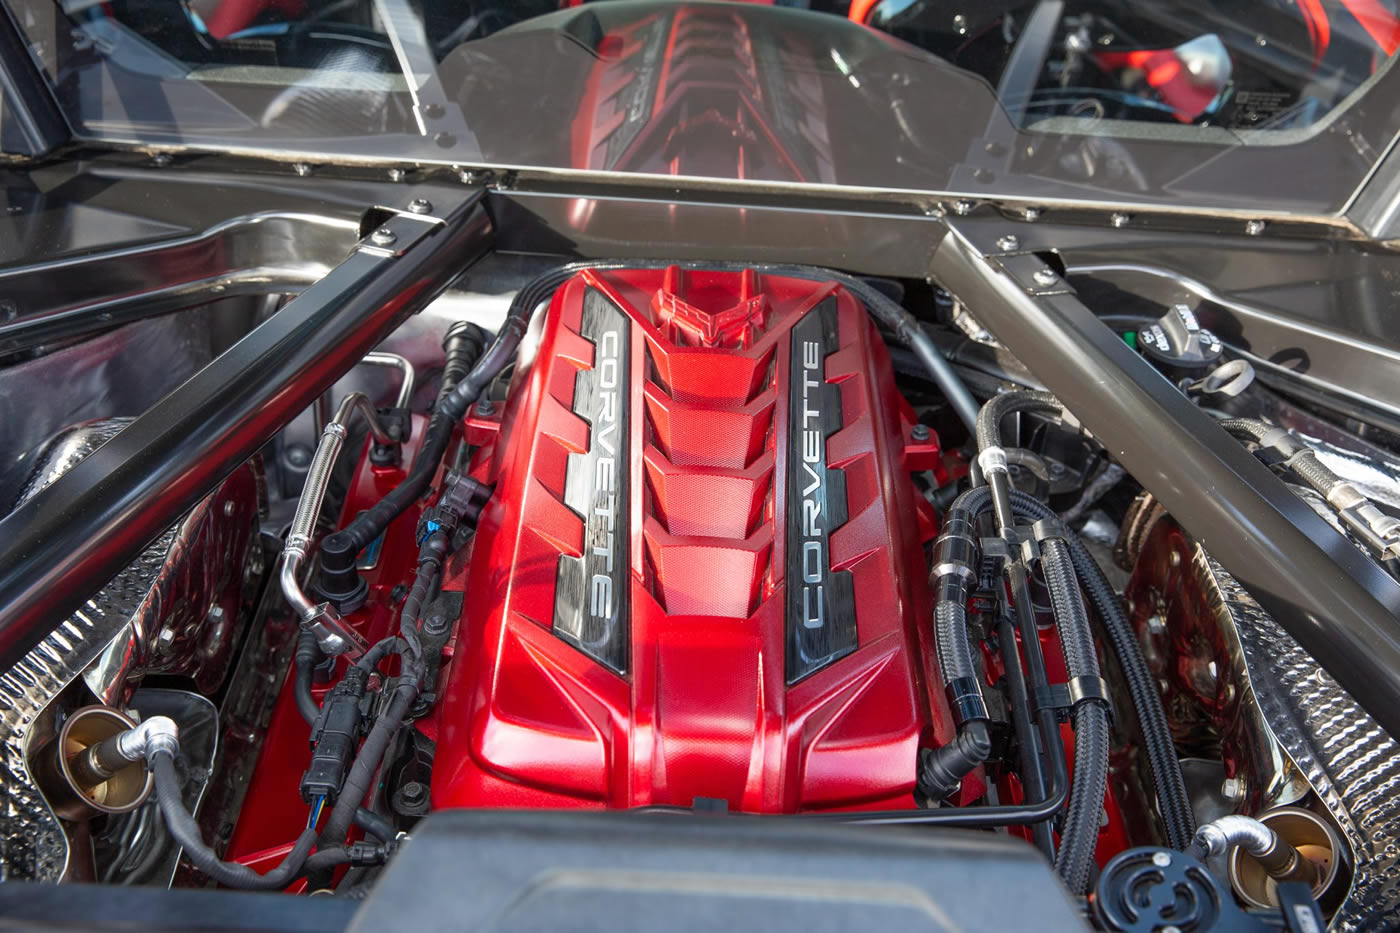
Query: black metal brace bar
1342, 608
65, 543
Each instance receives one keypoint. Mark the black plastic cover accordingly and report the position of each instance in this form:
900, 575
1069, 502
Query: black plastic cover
467, 870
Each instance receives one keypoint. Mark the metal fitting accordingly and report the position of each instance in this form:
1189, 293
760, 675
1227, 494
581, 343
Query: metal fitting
992, 460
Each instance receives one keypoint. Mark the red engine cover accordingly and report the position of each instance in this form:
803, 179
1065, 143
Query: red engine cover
701, 576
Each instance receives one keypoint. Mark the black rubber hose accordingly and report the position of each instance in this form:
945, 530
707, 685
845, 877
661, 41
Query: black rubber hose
374, 824
307, 654
1173, 802
462, 346
185, 831
1075, 860
990, 417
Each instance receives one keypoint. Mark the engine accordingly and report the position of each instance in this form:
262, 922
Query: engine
692, 586
684, 537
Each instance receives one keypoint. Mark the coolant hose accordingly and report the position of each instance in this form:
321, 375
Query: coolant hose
942, 769
1075, 860
307, 654
184, 830
1175, 806
999, 406
462, 346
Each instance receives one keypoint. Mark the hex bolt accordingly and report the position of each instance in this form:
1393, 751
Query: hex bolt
383, 237
413, 793
436, 623
485, 407
1008, 243
1045, 277
920, 433
420, 205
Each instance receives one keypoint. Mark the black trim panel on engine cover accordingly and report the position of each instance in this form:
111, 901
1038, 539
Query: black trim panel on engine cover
821, 622
591, 610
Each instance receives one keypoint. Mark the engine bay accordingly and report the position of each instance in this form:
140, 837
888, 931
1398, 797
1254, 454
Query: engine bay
702, 538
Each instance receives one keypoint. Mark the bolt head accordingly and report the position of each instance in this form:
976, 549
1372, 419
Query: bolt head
962, 207
383, 236
397, 174
420, 205
1161, 859
1255, 227
485, 406
1032, 213
1170, 929
1232, 789
1008, 243
1120, 220
162, 159
920, 433
301, 169
1045, 277
413, 792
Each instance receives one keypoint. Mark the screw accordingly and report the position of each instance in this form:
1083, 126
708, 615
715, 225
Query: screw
301, 169
1161, 860
1045, 277
1008, 243
485, 407
396, 174
1120, 220
383, 236
962, 207
1255, 227
1032, 213
920, 433
420, 205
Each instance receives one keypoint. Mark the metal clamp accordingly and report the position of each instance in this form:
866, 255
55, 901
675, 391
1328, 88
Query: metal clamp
1066, 696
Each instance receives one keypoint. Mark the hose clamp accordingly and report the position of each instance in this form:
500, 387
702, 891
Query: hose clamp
1069, 695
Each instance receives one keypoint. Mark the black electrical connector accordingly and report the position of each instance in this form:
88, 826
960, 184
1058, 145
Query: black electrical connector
335, 737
